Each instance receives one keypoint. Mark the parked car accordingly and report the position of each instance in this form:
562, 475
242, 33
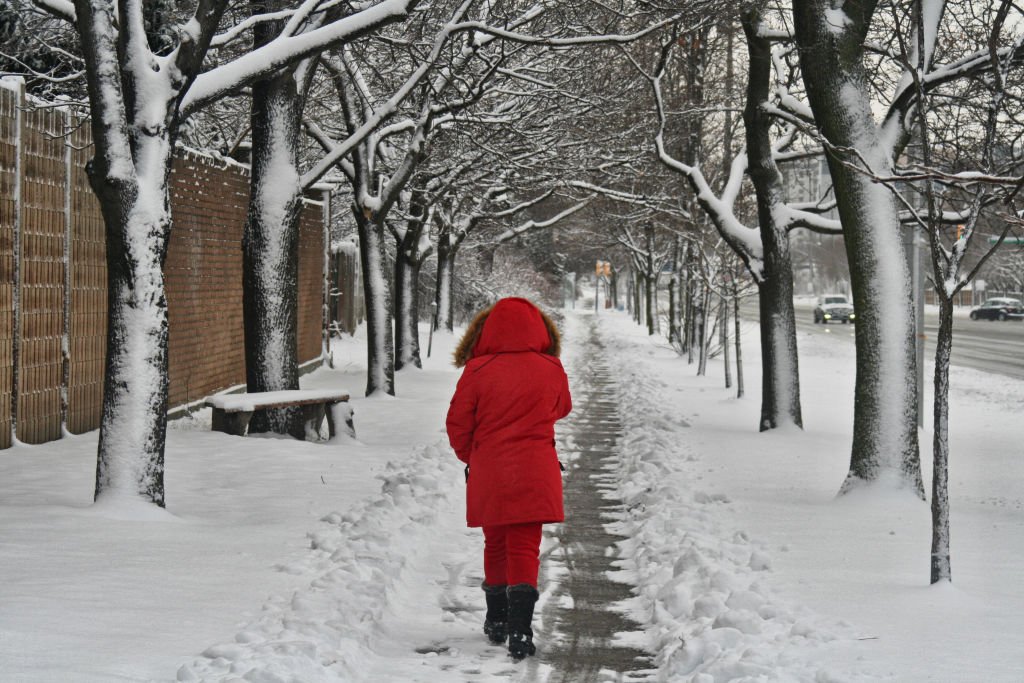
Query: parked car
999, 308
833, 308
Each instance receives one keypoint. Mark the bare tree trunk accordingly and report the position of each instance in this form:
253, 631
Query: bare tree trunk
685, 305
940, 560
724, 339
885, 439
380, 347
673, 296
705, 334
629, 294
130, 457
635, 296
407, 337
270, 256
443, 293
408, 260
649, 303
739, 347
780, 395
692, 319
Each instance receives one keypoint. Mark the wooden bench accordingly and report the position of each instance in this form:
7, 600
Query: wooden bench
231, 412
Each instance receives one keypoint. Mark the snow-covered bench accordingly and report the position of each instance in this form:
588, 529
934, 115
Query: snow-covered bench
231, 412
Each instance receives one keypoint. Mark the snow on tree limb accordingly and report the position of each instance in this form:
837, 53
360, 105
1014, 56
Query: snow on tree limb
530, 225
62, 9
745, 241
257, 63
576, 41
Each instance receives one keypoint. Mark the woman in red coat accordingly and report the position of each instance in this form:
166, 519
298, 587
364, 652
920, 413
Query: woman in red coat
501, 423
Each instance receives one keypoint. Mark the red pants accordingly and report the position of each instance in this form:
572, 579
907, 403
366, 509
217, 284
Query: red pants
512, 554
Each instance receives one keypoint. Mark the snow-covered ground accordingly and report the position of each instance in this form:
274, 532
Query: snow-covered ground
349, 561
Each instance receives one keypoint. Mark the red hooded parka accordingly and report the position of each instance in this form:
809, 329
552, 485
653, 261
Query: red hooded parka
501, 421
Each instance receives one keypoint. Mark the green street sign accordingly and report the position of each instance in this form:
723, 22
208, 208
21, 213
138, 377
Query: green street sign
1008, 240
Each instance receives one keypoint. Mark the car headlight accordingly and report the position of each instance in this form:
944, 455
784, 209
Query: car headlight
827, 316
852, 316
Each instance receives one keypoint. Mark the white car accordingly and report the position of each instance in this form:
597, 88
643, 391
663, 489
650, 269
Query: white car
833, 308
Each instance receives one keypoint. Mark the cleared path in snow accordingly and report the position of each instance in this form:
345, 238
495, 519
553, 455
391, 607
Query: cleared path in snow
581, 628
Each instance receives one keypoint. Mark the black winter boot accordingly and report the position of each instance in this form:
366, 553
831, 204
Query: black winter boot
496, 621
521, 599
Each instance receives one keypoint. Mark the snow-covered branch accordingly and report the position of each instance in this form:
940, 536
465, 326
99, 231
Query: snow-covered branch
531, 225
745, 241
287, 49
573, 41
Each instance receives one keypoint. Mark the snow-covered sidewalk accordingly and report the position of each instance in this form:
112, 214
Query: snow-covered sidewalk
286, 561
749, 566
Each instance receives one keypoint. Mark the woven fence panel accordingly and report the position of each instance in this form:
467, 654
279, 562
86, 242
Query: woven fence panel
311, 282
42, 276
8, 168
87, 327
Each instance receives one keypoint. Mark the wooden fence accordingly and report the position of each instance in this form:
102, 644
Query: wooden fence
53, 294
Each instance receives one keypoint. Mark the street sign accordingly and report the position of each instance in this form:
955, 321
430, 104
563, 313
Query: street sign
1008, 240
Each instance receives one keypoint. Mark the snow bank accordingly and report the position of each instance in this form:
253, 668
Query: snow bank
321, 632
704, 584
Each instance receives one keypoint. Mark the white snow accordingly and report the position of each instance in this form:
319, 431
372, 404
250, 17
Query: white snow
349, 561
836, 20
249, 402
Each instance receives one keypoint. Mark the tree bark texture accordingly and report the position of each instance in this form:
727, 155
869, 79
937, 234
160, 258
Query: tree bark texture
407, 336
638, 314
685, 307
270, 260
692, 314
650, 311
650, 282
674, 332
780, 394
443, 293
380, 346
739, 347
129, 173
940, 559
408, 261
133, 428
885, 439
724, 340
705, 333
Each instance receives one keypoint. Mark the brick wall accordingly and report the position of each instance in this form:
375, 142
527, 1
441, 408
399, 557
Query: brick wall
204, 259
61, 284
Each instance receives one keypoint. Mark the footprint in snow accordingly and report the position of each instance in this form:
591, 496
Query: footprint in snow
702, 497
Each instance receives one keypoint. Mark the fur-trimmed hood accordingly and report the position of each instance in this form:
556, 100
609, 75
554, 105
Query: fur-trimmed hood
512, 324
